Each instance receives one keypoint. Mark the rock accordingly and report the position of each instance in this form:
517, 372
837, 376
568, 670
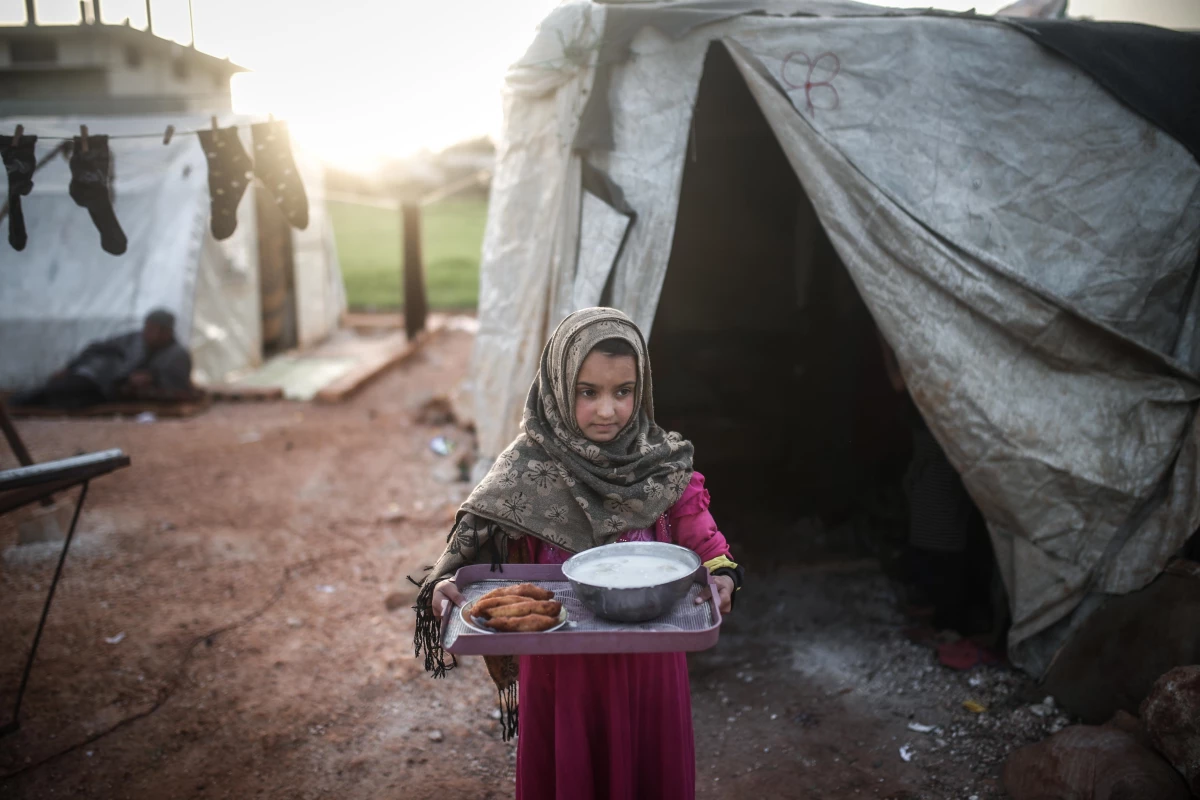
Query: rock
1085, 762
436, 736
1124, 721
1171, 714
1044, 708
1118, 653
437, 410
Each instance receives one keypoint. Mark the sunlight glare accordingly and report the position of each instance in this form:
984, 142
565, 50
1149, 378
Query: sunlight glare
366, 81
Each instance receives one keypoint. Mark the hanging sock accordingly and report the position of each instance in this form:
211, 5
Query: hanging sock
274, 166
19, 162
230, 171
91, 187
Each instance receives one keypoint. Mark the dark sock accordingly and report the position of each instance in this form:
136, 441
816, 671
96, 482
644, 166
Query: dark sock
230, 171
91, 187
273, 164
19, 162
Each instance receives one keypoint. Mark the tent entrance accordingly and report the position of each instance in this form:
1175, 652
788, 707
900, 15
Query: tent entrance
766, 357
764, 353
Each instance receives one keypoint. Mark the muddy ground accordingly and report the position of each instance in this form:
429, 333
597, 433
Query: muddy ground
220, 631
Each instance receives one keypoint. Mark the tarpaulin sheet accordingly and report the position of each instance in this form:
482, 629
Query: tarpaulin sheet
527, 265
1080, 450
1026, 242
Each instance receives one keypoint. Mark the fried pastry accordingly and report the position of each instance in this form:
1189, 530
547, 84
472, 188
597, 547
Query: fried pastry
549, 608
532, 623
481, 606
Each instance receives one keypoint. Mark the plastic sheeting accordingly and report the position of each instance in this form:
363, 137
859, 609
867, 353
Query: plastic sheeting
1095, 209
530, 240
1025, 242
63, 291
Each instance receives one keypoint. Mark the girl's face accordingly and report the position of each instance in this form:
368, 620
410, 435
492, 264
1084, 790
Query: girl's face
604, 394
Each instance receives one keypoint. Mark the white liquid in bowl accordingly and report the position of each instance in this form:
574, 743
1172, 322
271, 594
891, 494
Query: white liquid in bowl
629, 572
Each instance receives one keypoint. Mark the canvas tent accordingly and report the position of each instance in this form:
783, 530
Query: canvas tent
63, 291
1015, 205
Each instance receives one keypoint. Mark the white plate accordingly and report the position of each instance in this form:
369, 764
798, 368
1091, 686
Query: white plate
480, 627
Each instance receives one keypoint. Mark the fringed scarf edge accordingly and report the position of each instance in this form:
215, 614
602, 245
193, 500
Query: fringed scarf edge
508, 711
427, 636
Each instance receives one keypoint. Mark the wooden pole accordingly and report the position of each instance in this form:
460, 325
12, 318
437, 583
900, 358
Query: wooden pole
416, 305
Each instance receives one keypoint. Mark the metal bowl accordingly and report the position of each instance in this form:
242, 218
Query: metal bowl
632, 604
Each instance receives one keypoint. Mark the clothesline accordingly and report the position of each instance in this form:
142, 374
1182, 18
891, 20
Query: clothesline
158, 135
230, 172
166, 135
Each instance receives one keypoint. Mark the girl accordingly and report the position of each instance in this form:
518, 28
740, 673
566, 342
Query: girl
591, 468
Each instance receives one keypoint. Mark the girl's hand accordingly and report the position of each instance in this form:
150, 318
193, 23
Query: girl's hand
724, 593
445, 594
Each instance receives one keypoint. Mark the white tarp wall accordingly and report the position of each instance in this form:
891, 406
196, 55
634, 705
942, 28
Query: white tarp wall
1012, 227
64, 291
530, 240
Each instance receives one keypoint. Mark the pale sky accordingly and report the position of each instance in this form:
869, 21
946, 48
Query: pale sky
362, 80
357, 80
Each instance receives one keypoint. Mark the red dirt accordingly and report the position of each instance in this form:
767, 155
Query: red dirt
247, 555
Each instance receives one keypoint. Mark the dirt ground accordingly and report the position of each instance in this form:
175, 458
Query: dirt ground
220, 631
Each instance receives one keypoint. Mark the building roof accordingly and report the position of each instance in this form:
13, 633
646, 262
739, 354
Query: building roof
128, 35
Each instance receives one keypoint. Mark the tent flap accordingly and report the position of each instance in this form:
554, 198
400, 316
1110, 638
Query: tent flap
1068, 440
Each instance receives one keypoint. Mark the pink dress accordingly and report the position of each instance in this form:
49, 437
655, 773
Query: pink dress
594, 727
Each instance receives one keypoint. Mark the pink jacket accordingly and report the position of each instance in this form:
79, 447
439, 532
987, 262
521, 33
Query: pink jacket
687, 523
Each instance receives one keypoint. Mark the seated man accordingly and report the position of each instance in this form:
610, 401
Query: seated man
141, 365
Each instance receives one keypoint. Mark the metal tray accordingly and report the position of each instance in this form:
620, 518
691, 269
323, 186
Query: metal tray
685, 628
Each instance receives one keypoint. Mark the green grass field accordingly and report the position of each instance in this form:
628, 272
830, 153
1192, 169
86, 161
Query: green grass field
369, 242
